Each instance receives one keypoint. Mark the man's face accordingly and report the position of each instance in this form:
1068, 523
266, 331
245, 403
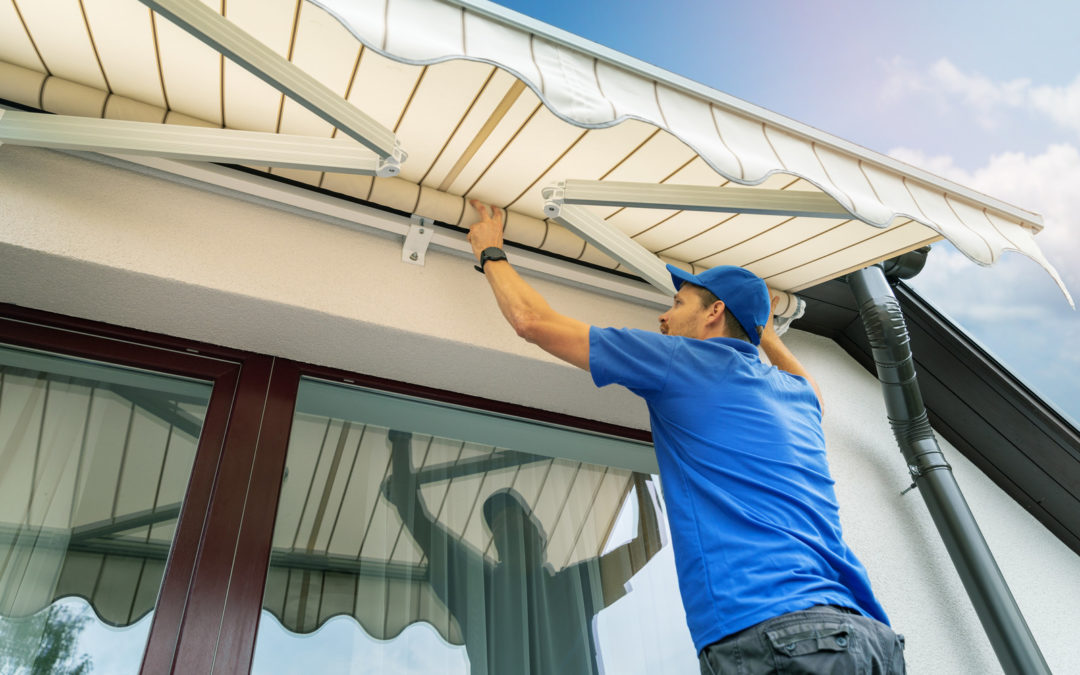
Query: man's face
687, 314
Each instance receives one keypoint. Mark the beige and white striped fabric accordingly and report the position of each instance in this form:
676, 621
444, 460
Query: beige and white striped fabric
492, 105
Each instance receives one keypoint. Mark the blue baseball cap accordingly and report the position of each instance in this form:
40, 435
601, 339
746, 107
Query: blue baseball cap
743, 292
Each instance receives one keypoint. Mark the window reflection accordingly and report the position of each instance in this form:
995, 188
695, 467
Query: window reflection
501, 554
517, 614
67, 638
340, 645
94, 464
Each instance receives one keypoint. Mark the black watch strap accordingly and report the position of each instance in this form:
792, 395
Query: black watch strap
488, 254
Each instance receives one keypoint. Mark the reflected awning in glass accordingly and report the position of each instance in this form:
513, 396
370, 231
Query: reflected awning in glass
95, 461
342, 546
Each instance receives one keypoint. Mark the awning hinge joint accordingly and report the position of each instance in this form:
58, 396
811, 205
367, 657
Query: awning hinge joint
553, 199
390, 165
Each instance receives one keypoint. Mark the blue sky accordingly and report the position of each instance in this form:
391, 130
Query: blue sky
986, 94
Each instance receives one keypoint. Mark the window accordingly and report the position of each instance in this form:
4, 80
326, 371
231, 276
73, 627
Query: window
414, 536
175, 507
94, 465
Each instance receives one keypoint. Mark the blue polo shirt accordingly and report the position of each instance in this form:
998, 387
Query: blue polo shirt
753, 515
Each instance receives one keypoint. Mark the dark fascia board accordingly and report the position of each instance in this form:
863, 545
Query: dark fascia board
1026, 447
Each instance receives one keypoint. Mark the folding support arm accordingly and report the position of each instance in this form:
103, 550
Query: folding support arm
621, 247
225, 37
613, 242
697, 198
230, 146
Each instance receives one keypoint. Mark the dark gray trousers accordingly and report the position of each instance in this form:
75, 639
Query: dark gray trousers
821, 639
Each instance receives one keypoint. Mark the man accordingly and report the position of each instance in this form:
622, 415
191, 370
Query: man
519, 616
767, 581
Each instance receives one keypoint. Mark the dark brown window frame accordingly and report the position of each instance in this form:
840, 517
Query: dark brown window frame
225, 449
208, 609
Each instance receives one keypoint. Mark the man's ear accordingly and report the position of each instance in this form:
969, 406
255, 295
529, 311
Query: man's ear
716, 312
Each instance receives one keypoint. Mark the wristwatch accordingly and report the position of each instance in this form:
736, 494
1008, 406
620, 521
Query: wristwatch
488, 254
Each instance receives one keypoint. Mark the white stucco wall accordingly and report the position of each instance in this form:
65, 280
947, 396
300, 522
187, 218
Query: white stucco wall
98, 242
896, 539
93, 241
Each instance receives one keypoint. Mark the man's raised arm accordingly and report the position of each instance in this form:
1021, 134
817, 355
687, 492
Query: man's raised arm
525, 309
781, 357
619, 564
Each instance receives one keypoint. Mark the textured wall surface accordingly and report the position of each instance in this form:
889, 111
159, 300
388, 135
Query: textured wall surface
92, 241
89, 240
897, 541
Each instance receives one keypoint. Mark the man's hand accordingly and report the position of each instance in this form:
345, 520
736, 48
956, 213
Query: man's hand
525, 309
781, 357
770, 325
488, 231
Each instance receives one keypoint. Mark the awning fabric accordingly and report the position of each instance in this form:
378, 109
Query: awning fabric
489, 104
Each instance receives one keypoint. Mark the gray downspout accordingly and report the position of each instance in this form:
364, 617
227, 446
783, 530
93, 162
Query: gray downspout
997, 610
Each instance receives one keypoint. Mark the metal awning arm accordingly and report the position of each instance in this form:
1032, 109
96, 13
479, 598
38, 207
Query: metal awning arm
563, 204
266, 64
698, 198
230, 146
611, 241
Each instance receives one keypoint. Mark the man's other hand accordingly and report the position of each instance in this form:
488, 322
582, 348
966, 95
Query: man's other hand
488, 231
770, 325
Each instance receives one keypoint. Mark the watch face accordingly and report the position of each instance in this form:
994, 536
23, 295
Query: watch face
488, 254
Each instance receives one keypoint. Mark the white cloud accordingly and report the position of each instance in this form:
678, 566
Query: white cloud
982, 94
1013, 308
1062, 104
1046, 183
900, 80
987, 99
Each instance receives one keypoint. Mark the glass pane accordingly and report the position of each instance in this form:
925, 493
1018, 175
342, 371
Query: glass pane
419, 537
94, 465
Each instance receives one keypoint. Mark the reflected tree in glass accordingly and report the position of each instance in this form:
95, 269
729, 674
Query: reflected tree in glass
517, 615
46, 642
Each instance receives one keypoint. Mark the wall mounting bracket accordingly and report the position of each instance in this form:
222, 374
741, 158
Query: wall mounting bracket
417, 239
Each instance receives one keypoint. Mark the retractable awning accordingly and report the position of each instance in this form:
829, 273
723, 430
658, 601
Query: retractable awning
489, 104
